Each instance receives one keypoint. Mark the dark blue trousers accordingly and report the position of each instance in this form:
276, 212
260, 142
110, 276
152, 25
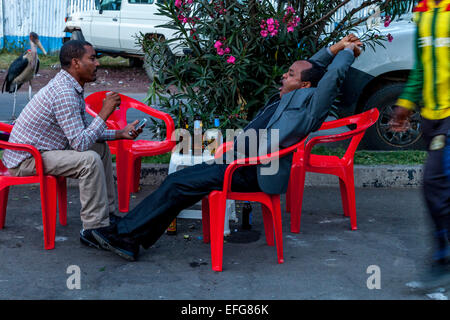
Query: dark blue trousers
436, 184
180, 190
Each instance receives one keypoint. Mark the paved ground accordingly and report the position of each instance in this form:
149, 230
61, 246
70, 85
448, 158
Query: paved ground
325, 261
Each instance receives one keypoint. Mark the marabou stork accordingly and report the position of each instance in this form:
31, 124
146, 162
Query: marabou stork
23, 69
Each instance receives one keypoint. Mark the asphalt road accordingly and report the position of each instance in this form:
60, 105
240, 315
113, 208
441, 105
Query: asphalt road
326, 260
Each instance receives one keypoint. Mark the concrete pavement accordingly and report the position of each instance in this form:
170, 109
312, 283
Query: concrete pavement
325, 261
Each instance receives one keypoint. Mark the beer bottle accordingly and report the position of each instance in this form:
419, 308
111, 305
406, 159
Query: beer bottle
214, 137
247, 216
198, 136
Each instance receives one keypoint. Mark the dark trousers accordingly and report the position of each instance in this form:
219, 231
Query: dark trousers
180, 190
436, 184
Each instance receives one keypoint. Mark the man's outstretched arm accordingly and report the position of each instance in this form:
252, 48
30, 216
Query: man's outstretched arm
328, 87
325, 56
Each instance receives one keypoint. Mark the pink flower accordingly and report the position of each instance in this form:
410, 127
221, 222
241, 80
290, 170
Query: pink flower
264, 33
220, 52
290, 29
270, 28
387, 21
231, 60
178, 3
190, 1
218, 44
390, 37
270, 21
227, 50
290, 10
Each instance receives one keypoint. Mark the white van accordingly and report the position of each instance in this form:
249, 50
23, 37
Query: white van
113, 26
376, 79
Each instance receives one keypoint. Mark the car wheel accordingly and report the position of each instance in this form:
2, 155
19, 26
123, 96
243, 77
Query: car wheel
77, 35
135, 62
156, 61
380, 136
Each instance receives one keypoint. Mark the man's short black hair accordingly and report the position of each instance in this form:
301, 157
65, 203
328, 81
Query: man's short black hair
313, 74
72, 49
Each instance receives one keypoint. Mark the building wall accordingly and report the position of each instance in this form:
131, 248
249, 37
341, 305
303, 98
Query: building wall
20, 17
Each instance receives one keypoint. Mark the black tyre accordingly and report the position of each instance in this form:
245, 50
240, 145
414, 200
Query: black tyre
77, 35
155, 62
379, 136
136, 62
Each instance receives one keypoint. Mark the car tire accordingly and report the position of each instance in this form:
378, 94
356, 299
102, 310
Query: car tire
379, 136
155, 62
135, 62
77, 35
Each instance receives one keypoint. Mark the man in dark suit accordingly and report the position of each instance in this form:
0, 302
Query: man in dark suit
305, 97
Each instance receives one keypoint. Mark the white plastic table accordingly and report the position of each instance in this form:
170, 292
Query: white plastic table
180, 161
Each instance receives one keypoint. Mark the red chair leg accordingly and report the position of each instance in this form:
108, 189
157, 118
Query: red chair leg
3, 205
344, 197
217, 205
298, 187
62, 200
205, 220
268, 224
288, 193
276, 214
49, 207
137, 175
351, 202
123, 181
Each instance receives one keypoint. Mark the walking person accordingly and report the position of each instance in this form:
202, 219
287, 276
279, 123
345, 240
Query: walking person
428, 90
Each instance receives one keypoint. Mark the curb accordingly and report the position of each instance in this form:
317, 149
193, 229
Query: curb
380, 176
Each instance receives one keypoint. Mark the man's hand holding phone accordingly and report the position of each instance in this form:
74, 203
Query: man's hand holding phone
132, 130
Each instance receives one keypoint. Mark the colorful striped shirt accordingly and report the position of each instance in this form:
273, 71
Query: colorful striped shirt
55, 119
429, 82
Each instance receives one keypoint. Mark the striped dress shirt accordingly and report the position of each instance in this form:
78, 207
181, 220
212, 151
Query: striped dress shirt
55, 119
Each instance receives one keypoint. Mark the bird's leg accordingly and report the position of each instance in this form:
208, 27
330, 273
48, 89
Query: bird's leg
13, 117
29, 90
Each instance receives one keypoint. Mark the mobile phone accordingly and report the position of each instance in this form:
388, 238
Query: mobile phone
139, 125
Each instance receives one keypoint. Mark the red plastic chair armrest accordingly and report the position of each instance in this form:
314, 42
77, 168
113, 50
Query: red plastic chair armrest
170, 126
223, 148
6, 127
27, 148
255, 161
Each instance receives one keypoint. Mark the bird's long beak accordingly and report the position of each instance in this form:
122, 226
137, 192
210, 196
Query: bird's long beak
39, 44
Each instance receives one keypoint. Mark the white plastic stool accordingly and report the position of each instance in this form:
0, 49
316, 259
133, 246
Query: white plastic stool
180, 161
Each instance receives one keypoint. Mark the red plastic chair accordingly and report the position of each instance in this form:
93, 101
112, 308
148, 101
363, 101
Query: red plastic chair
52, 188
128, 152
214, 205
342, 167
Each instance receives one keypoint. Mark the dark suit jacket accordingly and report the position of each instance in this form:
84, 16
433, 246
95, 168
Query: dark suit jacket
299, 113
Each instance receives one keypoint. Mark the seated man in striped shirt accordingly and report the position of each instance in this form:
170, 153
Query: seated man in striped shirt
54, 122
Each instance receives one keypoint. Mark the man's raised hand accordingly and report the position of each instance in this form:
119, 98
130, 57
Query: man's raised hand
350, 41
110, 103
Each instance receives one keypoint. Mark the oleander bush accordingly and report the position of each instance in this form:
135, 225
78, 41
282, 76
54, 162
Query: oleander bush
238, 51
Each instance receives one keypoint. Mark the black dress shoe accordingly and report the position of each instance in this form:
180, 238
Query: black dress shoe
108, 239
113, 219
88, 239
